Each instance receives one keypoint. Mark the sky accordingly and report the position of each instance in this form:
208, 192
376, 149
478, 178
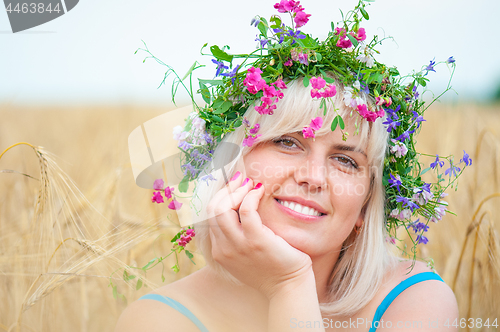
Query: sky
87, 55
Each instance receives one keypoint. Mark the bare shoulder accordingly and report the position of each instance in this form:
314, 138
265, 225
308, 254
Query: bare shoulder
153, 315
425, 302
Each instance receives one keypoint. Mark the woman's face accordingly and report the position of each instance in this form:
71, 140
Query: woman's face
328, 175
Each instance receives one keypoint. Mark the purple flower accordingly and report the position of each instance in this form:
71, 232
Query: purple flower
232, 74
418, 226
437, 163
207, 178
395, 181
254, 22
392, 122
466, 159
415, 92
422, 239
430, 67
189, 168
220, 67
452, 170
450, 60
404, 136
207, 137
407, 203
184, 145
417, 118
263, 42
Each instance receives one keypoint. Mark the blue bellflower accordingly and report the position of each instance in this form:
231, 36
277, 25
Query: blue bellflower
392, 122
417, 118
450, 60
220, 67
395, 181
452, 170
231, 74
407, 203
437, 163
430, 67
466, 159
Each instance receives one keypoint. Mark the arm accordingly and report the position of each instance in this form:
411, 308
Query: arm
295, 305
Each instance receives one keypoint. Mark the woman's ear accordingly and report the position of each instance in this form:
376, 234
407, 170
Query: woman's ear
360, 220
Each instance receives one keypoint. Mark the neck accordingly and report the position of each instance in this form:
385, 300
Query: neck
323, 268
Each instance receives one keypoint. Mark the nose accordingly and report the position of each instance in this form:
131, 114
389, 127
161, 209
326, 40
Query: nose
312, 174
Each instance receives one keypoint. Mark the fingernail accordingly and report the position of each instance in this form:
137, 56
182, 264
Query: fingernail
245, 182
235, 176
258, 185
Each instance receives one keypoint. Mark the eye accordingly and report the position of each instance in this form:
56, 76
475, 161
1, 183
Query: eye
346, 161
285, 142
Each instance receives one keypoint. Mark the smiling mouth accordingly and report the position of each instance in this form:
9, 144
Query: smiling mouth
305, 210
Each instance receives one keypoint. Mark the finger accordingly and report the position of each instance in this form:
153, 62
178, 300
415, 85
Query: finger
232, 185
251, 222
227, 215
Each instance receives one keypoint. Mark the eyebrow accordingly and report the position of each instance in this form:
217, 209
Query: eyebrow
342, 147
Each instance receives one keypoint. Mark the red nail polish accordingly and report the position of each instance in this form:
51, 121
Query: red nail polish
235, 176
245, 182
258, 185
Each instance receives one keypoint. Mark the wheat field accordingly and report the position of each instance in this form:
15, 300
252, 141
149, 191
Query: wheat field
72, 219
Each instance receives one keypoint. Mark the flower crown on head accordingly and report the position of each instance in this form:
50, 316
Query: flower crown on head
285, 53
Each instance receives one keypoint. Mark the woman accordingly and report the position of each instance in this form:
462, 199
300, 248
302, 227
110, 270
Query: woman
297, 239
271, 268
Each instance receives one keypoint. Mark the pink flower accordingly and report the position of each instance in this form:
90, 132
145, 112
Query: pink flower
255, 129
288, 63
253, 81
303, 58
339, 31
318, 82
308, 132
294, 54
379, 101
190, 232
330, 91
181, 243
174, 205
168, 192
279, 82
388, 101
368, 115
158, 184
344, 42
315, 93
269, 91
301, 18
316, 123
157, 197
250, 140
285, 6
360, 35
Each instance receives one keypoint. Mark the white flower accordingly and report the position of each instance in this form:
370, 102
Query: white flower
179, 134
357, 85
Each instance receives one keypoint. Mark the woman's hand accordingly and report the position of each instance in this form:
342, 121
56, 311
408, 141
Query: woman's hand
249, 250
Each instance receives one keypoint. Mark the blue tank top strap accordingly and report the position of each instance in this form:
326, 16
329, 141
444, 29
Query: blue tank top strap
177, 306
398, 290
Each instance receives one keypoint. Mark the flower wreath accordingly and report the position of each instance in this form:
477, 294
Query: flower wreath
285, 53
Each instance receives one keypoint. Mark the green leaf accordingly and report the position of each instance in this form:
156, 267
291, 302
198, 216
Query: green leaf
318, 56
211, 82
175, 268
125, 275
220, 54
139, 284
237, 123
352, 39
205, 93
184, 185
328, 80
217, 118
333, 26
115, 292
425, 171
364, 13
341, 122
148, 264
277, 22
263, 29
190, 70
218, 102
190, 255
306, 81
334, 123
162, 278
131, 277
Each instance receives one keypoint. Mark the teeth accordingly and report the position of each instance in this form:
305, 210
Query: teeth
300, 208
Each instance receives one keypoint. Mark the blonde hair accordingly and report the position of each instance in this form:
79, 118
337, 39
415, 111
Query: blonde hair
364, 259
